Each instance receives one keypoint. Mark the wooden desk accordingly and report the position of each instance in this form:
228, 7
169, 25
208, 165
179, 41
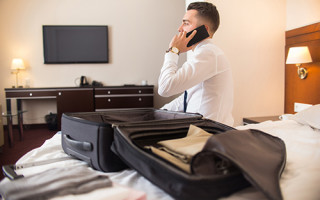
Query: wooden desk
68, 99
84, 99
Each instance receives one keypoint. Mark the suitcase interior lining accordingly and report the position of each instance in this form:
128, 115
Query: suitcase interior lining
151, 138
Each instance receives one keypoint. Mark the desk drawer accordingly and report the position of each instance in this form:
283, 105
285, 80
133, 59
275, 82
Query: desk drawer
31, 94
116, 91
124, 102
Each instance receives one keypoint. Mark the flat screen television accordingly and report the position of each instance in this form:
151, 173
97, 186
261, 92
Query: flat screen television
75, 44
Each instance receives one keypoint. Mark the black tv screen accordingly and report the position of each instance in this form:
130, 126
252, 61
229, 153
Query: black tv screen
75, 44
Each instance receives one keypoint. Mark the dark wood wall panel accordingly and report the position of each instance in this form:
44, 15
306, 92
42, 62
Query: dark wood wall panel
306, 90
303, 30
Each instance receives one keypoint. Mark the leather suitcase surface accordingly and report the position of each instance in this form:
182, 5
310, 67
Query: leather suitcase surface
88, 136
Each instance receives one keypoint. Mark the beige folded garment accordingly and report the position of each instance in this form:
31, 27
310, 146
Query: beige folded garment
174, 160
189, 145
180, 151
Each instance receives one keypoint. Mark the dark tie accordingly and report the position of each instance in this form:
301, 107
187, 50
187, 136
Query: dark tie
185, 101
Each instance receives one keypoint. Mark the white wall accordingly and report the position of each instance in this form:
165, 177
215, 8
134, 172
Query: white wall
140, 32
302, 13
252, 34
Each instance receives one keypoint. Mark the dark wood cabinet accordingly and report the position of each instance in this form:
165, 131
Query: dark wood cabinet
123, 97
123, 102
74, 100
28, 93
133, 90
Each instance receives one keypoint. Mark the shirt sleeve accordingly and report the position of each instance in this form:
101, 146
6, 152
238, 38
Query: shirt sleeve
174, 80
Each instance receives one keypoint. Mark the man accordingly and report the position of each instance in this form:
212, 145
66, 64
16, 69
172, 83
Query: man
206, 77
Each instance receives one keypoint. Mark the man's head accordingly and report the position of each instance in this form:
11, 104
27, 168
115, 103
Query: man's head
199, 13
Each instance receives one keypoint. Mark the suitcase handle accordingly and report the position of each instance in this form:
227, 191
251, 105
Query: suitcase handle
84, 146
8, 171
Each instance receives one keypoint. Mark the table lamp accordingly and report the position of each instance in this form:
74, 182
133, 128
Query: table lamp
299, 55
17, 65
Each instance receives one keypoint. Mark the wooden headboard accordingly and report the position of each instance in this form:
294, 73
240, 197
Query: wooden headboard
306, 90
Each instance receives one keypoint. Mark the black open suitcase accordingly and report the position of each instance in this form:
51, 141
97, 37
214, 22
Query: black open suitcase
88, 136
255, 158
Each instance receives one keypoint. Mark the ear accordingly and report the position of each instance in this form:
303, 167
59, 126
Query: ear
209, 31
207, 27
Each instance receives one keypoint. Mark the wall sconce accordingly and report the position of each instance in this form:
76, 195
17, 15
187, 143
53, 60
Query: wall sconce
17, 65
299, 55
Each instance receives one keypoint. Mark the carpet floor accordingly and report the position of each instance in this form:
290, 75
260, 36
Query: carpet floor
33, 137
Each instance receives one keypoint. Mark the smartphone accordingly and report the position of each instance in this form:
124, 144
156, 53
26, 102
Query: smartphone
201, 34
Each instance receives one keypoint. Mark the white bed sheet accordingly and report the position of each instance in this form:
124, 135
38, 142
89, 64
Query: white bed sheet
300, 178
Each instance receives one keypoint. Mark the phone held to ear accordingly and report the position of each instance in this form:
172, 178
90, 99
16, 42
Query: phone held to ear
201, 34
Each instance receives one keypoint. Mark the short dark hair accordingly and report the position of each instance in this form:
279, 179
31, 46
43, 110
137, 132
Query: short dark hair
207, 11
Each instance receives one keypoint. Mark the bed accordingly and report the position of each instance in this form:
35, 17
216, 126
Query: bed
300, 178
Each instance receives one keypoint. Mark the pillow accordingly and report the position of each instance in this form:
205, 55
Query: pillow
309, 116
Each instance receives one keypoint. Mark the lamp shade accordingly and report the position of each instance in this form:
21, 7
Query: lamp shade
298, 55
17, 63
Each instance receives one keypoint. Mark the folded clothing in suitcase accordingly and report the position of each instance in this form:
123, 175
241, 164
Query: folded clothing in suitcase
88, 135
229, 160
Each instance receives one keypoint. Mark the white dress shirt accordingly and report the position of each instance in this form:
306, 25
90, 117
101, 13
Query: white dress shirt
207, 77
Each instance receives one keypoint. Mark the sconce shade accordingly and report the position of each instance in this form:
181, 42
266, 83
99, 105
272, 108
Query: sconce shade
298, 55
17, 64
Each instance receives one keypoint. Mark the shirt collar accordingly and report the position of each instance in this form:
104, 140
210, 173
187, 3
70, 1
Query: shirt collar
203, 42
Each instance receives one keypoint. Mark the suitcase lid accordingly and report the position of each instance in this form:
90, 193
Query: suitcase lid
261, 158
131, 116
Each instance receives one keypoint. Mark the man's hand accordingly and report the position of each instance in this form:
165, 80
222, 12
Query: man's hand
180, 41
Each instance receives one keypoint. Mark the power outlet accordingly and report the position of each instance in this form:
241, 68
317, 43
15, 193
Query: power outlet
301, 106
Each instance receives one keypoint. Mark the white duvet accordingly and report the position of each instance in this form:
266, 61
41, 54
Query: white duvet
300, 178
